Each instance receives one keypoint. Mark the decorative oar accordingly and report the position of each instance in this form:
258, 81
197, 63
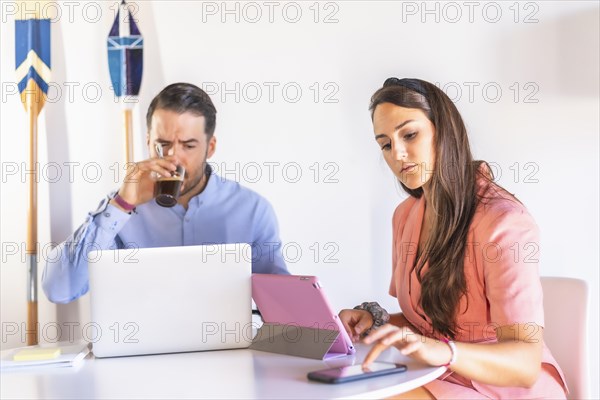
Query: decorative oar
126, 64
32, 56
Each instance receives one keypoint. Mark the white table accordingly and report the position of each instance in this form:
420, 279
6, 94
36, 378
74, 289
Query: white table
215, 374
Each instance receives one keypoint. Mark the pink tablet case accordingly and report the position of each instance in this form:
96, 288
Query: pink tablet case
300, 301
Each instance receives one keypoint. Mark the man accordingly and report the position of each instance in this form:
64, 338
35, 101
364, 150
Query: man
210, 209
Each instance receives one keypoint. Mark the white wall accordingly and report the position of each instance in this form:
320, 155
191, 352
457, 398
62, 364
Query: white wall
347, 208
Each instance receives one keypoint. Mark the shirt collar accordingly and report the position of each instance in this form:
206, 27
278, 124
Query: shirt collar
210, 189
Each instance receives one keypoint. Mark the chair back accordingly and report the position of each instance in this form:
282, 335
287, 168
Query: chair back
565, 332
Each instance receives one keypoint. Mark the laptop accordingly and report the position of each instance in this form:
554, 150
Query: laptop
292, 301
170, 299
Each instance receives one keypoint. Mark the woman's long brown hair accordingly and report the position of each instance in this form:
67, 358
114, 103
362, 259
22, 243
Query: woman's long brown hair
453, 198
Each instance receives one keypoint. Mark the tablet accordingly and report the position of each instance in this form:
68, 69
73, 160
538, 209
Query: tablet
301, 301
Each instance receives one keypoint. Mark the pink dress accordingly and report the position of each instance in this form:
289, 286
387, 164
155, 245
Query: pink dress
501, 269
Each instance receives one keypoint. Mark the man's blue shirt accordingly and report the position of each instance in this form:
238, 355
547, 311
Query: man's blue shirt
224, 212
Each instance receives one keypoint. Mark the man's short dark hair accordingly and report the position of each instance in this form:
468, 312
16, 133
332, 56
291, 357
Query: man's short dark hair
185, 97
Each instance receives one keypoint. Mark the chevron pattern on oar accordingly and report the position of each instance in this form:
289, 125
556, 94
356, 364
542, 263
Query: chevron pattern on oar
32, 56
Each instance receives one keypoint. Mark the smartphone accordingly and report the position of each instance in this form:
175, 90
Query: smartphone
355, 372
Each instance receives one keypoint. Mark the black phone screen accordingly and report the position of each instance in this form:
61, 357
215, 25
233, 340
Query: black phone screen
355, 372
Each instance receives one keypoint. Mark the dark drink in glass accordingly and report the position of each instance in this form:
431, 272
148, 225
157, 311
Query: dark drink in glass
168, 188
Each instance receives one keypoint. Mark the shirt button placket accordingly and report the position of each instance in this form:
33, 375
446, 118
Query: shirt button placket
187, 231
188, 228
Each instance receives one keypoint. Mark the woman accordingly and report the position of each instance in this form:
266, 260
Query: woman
465, 268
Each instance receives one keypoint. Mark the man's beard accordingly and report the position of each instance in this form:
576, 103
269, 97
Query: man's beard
200, 174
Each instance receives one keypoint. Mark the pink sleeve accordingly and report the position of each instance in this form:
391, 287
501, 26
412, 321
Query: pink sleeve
508, 244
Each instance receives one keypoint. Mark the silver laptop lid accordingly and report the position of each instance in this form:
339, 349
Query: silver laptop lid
170, 299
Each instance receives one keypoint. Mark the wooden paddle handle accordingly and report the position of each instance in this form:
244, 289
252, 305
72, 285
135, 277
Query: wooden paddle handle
31, 332
128, 128
31, 245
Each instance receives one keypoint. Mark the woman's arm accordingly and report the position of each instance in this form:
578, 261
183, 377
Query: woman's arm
400, 320
357, 322
514, 361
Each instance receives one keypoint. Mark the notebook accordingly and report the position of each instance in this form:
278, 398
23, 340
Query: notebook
170, 299
69, 355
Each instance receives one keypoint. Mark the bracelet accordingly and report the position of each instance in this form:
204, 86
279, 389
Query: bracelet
379, 314
123, 204
453, 349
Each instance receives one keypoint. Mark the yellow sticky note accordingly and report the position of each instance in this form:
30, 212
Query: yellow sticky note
37, 354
